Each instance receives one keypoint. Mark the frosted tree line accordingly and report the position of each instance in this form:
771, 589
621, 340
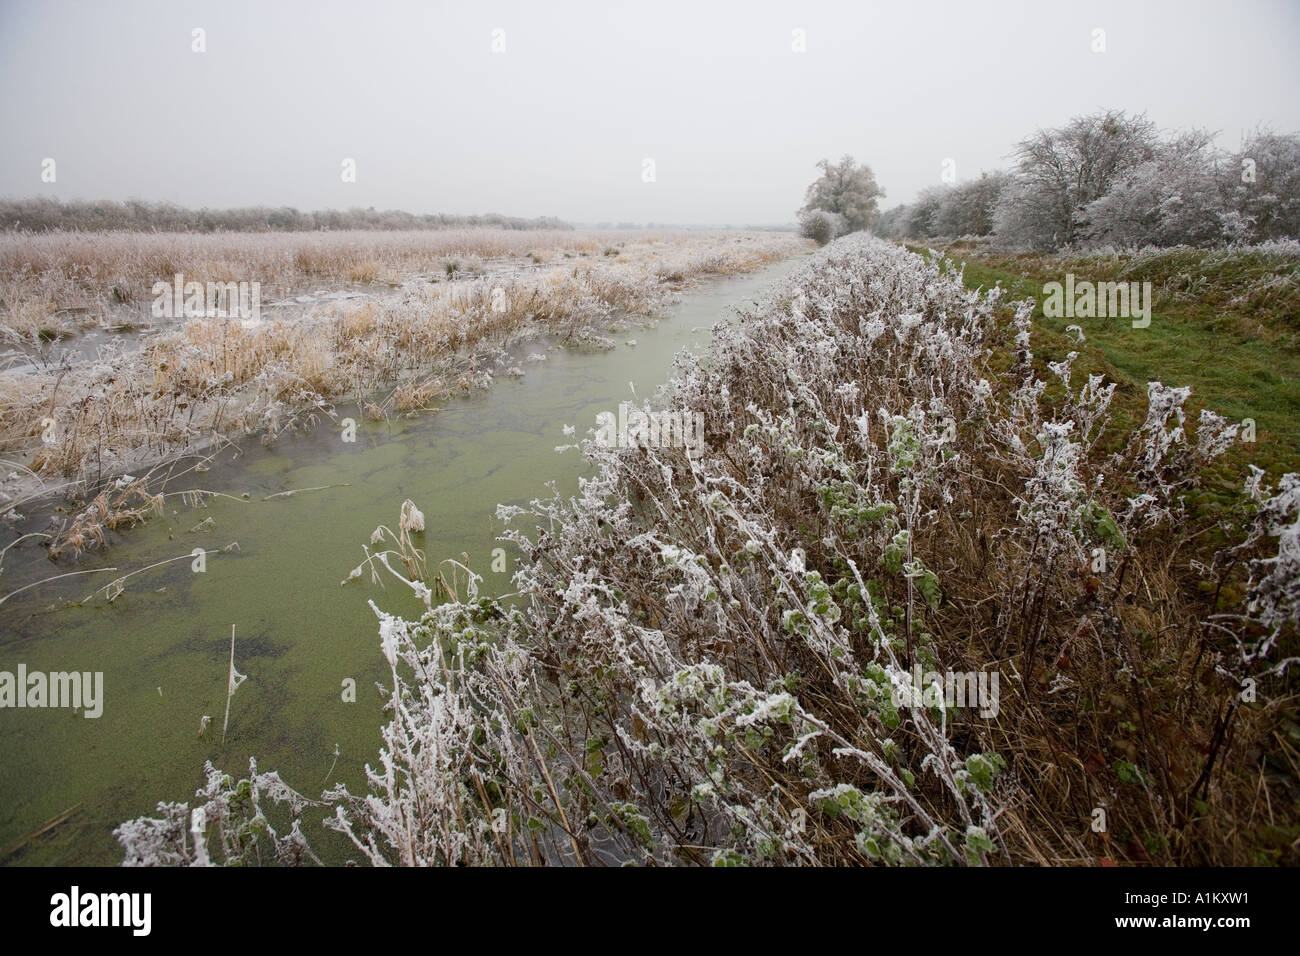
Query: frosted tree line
1106, 179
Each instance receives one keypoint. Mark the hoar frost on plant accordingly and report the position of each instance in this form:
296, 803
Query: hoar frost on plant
699, 665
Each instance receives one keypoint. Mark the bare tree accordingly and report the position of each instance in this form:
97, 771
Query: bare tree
1060, 171
1263, 184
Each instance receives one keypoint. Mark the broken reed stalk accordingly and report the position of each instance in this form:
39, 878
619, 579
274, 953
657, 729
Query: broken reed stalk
232, 684
56, 577
40, 831
119, 582
300, 491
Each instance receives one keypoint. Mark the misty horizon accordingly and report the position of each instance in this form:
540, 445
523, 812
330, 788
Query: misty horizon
525, 113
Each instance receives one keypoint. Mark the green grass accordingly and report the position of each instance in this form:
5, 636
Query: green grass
1226, 323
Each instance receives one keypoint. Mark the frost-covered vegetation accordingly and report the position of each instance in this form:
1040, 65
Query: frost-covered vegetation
53, 284
428, 309
1113, 179
701, 661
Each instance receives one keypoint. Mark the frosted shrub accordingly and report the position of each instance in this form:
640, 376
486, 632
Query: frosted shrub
235, 812
1274, 584
821, 226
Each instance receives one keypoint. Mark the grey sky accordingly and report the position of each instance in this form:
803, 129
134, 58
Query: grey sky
560, 122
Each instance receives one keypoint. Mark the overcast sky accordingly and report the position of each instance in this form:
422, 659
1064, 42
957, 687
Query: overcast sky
561, 121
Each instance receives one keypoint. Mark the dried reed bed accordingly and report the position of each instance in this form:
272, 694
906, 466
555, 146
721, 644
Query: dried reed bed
43, 275
73, 270
193, 381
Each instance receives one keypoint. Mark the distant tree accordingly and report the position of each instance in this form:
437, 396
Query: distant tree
921, 215
963, 210
891, 223
43, 215
847, 190
967, 208
1060, 171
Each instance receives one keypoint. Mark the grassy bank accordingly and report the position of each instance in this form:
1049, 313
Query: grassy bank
1226, 322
